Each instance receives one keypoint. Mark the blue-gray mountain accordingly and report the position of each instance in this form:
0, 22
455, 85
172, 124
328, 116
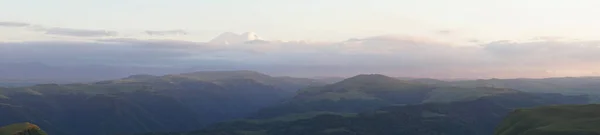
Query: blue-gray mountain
145, 103
380, 105
176, 104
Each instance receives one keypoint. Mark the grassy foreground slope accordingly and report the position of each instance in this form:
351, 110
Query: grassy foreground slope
553, 120
21, 129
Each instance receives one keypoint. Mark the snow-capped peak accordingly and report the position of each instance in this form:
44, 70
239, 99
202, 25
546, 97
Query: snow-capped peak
251, 36
233, 38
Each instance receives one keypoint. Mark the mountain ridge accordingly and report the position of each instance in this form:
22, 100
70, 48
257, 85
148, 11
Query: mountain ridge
144, 103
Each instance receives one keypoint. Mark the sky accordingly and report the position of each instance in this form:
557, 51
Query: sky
331, 20
423, 38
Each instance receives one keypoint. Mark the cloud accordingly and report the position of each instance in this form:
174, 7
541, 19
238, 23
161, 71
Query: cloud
153, 43
444, 32
61, 31
393, 55
166, 32
69, 53
548, 38
119, 52
79, 32
473, 41
13, 24
546, 51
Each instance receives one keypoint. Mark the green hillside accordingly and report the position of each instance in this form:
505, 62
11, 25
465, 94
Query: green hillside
553, 120
473, 117
265, 105
366, 87
140, 103
350, 107
368, 92
21, 129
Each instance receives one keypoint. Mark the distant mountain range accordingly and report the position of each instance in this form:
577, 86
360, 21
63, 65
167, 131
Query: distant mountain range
29, 74
251, 103
564, 85
145, 103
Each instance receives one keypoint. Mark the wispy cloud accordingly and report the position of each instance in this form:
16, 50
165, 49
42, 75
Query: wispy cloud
473, 41
444, 32
14, 24
390, 54
166, 32
401, 56
79, 32
60, 30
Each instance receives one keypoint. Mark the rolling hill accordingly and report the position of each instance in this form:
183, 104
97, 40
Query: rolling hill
471, 117
251, 103
377, 104
553, 120
368, 92
144, 103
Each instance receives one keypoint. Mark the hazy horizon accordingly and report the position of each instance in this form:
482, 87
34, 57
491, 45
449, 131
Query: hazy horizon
408, 38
